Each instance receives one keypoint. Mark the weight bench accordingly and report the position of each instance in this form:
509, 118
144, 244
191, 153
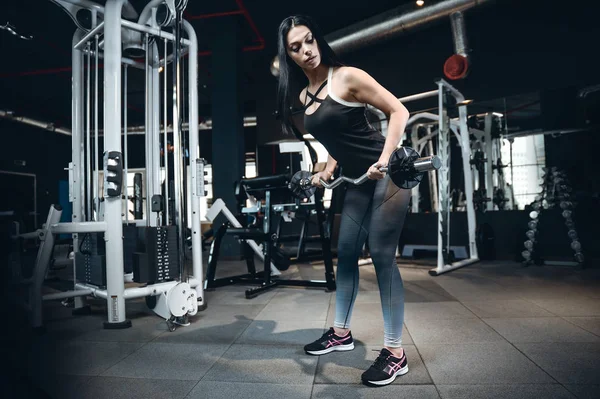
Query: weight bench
261, 187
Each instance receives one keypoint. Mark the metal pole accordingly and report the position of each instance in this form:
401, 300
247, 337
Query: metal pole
155, 100
392, 23
97, 162
115, 286
418, 96
489, 162
125, 153
148, 141
124, 60
66, 294
415, 192
510, 141
34, 122
459, 33
166, 141
432, 178
196, 179
444, 182
466, 156
178, 156
153, 31
88, 150
77, 148
89, 35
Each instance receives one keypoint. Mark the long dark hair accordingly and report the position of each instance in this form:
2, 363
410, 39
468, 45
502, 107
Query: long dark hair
289, 72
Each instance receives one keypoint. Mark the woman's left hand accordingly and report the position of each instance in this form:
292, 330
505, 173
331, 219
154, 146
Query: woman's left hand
374, 173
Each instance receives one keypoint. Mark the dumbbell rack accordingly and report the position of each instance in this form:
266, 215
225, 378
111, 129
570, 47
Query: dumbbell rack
556, 192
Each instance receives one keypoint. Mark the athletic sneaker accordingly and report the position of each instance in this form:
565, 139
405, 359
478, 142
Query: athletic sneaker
330, 342
385, 369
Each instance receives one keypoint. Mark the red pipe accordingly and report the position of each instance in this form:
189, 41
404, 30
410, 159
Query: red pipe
254, 48
244, 10
41, 72
214, 15
37, 72
520, 107
54, 46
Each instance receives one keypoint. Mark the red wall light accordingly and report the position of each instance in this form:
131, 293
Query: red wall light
456, 67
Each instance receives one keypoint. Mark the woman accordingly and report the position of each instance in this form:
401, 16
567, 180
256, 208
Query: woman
334, 114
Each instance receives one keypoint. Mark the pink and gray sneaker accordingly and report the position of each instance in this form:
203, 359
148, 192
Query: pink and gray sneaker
385, 369
330, 342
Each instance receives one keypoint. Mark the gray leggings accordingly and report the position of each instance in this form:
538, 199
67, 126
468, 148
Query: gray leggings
375, 210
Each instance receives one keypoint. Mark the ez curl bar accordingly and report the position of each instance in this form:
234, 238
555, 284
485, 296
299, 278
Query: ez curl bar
405, 167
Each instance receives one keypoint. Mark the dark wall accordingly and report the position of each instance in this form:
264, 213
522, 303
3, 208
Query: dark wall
32, 150
508, 230
577, 155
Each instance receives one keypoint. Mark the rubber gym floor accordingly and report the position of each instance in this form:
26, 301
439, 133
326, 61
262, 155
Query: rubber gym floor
489, 330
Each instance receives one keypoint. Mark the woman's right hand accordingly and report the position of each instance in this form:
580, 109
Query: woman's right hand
325, 175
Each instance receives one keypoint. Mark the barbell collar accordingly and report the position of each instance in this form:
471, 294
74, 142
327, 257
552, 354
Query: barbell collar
425, 164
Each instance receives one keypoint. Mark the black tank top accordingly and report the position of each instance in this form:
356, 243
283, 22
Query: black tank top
343, 129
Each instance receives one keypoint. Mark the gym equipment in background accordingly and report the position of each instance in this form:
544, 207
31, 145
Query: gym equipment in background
262, 188
556, 194
103, 243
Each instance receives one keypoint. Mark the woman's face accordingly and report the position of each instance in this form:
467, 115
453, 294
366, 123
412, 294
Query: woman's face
302, 47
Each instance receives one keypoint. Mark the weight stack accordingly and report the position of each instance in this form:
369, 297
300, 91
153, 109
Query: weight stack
157, 257
90, 260
130, 242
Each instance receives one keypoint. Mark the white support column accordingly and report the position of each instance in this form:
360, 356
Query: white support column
112, 142
442, 266
414, 137
77, 193
148, 125
179, 164
433, 186
489, 156
465, 147
156, 174
196, 181
443, 183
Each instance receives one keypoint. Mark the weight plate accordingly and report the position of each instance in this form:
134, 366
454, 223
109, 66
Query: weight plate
401, 170
297, 188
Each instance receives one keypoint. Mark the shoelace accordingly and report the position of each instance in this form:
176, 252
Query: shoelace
381, 361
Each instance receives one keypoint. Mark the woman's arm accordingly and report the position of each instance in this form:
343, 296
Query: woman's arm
367, 90
330, 167
324, 174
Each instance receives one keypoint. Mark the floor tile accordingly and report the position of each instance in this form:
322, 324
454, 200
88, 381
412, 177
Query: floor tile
507, 391
245, 390
264, 363
540, 329
506, 308
481, 363
177, 361
451, 331
568, 363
